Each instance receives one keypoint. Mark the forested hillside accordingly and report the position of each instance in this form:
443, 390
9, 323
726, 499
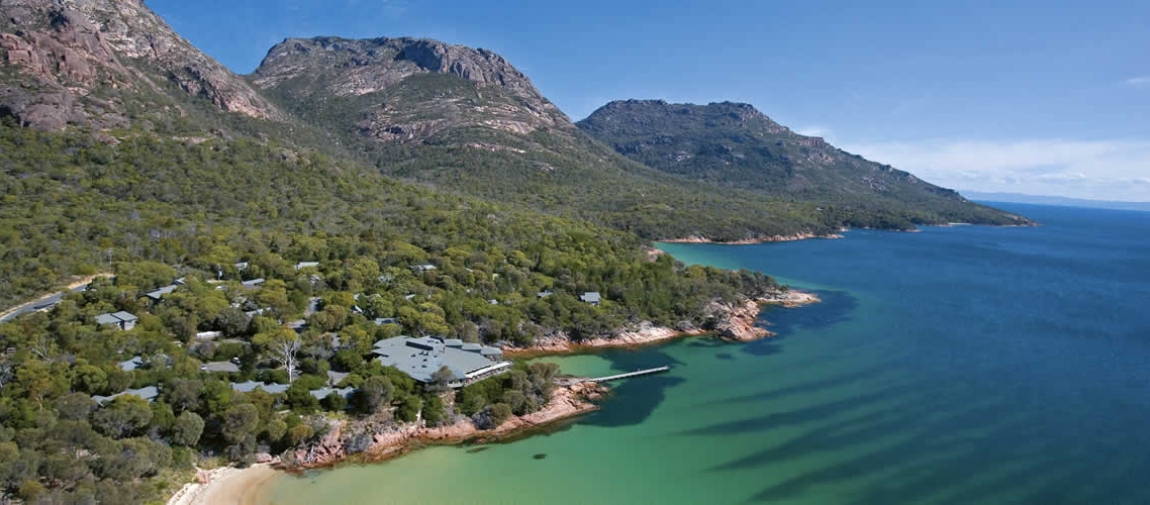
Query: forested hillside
733, 145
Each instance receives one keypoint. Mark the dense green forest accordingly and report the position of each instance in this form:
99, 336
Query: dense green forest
151, 209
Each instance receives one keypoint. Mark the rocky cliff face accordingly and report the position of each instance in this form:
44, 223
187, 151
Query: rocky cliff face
87, 62
404, 89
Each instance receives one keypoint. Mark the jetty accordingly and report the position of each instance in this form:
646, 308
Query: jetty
566, 381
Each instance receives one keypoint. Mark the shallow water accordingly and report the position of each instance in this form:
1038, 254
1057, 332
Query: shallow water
957, 365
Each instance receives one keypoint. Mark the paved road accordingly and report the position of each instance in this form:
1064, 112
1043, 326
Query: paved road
44, 303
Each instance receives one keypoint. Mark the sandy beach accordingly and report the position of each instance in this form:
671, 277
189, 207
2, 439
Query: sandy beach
228, 486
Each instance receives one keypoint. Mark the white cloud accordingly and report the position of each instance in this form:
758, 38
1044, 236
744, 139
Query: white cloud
1142, 80
1101, 169
813, 131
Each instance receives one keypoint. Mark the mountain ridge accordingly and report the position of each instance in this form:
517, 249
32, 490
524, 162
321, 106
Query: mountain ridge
734, 145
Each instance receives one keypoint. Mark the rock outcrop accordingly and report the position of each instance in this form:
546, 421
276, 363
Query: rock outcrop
83, 62
420, 89
388, 440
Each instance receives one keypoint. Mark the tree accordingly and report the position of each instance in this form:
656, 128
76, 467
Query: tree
375, 392
441, 378
239, 422
408, 410
282, 345
124, 416
183, 395
187, 430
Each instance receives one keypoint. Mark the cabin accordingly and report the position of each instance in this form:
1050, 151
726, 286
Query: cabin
122, 320
421, 358
249, 386
132, 364
159, 294
306, 264
591, 297
544, 294
426, 267
252, 284
322, 393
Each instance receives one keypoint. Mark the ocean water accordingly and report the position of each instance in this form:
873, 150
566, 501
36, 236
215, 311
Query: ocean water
952, 366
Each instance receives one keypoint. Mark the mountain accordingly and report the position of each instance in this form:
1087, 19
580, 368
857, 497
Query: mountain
465, 120
108, 64
1056, 200
733, 145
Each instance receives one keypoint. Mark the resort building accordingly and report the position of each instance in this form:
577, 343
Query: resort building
422, 357
122, 320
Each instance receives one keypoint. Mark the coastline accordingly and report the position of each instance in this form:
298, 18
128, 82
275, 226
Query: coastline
227, 485
735, 322
697, 239
247, 486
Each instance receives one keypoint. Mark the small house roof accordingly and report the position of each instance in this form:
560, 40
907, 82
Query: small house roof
125, 316
472, 347
453, 342
322, 393
107, 319
132, 364
253, 283
159, 293
249, 386
590, 297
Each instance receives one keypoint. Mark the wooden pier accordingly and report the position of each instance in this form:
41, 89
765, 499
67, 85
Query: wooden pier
628, 375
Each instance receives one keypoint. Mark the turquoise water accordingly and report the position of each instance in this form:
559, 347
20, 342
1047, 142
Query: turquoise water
957, 365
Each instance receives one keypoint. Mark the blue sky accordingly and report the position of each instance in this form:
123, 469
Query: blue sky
1046, 97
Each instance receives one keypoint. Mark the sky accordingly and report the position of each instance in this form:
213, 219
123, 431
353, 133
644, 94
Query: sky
1038, 97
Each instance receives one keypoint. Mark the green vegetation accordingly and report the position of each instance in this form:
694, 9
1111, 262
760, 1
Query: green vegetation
150, 209
732, 145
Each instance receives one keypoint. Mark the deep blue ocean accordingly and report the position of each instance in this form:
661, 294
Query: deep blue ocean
952, 366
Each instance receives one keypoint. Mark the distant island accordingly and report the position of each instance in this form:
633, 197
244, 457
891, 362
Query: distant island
1056, 200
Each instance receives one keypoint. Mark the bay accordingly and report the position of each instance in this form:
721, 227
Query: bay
956, 365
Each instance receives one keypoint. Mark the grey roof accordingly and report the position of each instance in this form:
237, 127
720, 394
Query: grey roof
252, 283
385, 320
107, 319
334, 378
453, 342
544, 294
424, 267
590, 297
116, 318
125, 316
422, 357
322, 393
221, 366
249, 386
148, 393
491, 351
132, 364
472, 347
306, 264
159, 293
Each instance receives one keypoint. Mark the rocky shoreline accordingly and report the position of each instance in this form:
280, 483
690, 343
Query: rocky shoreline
698, 239
566, 402
733, 322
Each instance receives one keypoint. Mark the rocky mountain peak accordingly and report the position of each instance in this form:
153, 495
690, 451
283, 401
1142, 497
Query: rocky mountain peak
67, 53
407, 89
